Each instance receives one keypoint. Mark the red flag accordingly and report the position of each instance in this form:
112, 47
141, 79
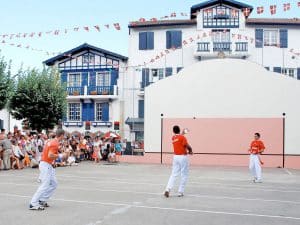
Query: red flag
260, 10
3, 42
191, 39
153, 19
76, 28
117, 26
184, 42
66, 31
97, 28
107, 26
142, 20
27, 46
48, 32
162, 54
40, 34
56, 32
286, 6
32, 34
86, 28
24, 35
19, 46
173, 14
246, 12
298, 4
273, 9
18, 35
157, 57
183, 14
167, 51
234, 13
239, 36
11, 36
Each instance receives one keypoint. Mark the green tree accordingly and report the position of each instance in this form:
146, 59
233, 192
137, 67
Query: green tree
6, 83
40, 99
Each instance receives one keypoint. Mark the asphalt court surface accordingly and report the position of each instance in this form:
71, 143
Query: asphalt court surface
101, 194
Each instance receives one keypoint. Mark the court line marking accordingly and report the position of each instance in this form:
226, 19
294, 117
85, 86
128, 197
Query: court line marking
264, 188
159, 194
288, 172
162, 208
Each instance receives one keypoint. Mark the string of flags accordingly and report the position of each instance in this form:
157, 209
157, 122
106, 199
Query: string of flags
116, 26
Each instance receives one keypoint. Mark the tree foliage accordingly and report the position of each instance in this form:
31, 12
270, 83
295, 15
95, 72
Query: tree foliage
6, 83
39, 98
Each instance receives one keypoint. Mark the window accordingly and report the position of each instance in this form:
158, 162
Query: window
99, 112
103, 78
271, 37
173, 39
74, 80
221, 35
89, 59
289, 72
146, 40
220, 16
74, 112
156, 74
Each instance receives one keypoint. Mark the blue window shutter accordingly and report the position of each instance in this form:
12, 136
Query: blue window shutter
169, 71
283, 38
91, 115
277, 69
168, 39
179, 68
150, 40
142, 40
105, 111
85, 111
298, 73
1, 124
177, 39
113, 77
93, 78
84, 79
64, 78
145, 78
141, 108
259, 38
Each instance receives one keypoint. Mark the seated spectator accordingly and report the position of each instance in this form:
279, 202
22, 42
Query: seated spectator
71, 161
112, 156
17, 157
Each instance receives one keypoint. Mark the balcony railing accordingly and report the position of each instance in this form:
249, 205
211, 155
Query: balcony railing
222, 46
100, 90
203, 47
75, 90
241, 46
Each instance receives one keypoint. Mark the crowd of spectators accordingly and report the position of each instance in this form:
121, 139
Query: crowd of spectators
19, 150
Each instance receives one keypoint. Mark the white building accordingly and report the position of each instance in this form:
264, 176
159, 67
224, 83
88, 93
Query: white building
216, 29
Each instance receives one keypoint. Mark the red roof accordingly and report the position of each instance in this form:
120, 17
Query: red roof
273, 21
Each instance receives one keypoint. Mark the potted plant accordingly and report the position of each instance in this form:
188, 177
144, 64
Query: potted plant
93, 92
75, 92
105, 92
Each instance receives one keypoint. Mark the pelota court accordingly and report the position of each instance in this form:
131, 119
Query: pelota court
92, 194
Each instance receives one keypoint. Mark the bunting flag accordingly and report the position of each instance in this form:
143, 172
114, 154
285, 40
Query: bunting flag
76, 29
246, 12
153, 20
173, 14
298, 4
97, 28
86, 28
273, 9
107, 26
286, 6
260, 10
117, 26
142, 20
234, 13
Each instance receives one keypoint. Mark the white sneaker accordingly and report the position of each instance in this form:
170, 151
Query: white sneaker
180, 194
257, 181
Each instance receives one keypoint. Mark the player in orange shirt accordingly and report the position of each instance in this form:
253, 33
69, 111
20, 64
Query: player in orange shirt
256, 148
47, 173
180, 162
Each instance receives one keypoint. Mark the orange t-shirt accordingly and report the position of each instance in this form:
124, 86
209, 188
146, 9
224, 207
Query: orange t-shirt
179, 144
257, 146
50, 146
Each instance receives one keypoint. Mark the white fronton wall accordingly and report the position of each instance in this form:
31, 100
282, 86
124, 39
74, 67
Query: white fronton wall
223, 88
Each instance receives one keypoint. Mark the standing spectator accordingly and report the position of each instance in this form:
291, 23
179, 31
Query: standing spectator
18, 157
6, 147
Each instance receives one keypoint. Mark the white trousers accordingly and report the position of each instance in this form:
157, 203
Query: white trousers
48, 184
180, 167
255, 167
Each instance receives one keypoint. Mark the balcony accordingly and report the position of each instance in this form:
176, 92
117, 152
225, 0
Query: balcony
222, 49
92, 92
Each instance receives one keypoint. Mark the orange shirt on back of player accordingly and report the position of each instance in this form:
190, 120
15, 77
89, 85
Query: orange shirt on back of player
257, 146
51, 146
179, 144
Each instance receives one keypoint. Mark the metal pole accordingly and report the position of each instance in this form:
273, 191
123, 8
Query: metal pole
283, 147
161, 138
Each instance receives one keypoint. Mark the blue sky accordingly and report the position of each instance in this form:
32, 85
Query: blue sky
28, 16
